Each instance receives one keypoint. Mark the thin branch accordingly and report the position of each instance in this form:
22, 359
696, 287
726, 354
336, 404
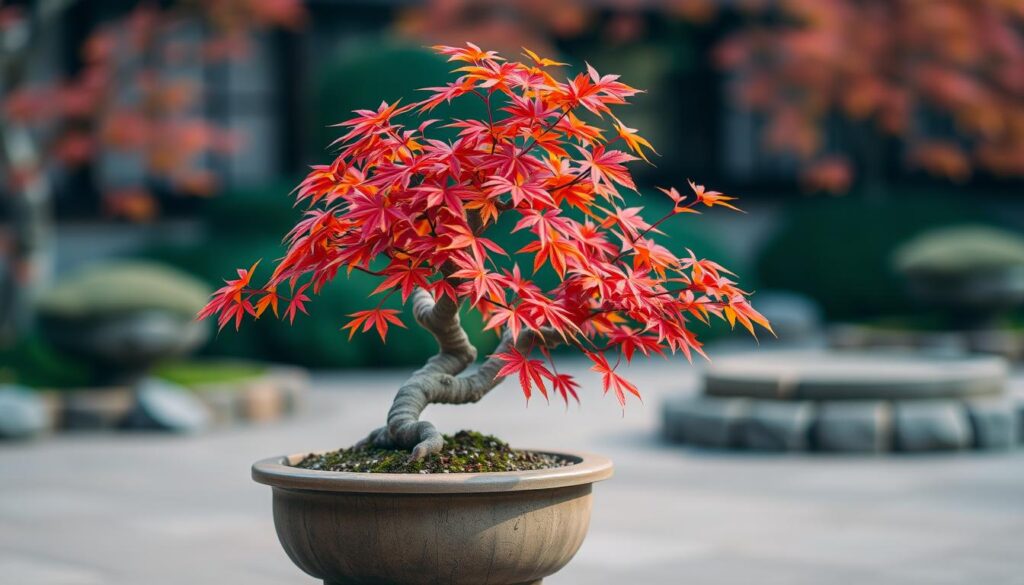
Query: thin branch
533, 142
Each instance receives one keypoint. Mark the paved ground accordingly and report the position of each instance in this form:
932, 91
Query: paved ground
153, 510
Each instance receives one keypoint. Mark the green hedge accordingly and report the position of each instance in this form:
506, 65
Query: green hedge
33, 362
839, 251
381, 69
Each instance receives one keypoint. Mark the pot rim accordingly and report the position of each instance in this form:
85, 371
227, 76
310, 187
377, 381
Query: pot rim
278, 472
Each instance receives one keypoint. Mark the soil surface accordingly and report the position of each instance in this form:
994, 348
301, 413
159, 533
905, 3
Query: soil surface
464, 452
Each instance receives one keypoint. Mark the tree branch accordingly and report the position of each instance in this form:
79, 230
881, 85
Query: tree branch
474, 386
442, 379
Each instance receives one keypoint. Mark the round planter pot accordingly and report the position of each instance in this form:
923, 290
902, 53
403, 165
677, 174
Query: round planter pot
407, 529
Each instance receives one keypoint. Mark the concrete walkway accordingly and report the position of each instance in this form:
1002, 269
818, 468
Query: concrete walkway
155, 510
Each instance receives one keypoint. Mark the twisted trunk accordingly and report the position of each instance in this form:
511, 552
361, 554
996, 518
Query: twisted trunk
443, 379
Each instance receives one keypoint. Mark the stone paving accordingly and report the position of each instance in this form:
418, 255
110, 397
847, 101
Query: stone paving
104, 509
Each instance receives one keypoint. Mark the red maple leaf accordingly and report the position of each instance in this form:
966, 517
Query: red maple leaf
532, 372
611, 380
374, 318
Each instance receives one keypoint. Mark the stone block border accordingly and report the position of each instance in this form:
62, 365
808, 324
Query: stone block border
843, 426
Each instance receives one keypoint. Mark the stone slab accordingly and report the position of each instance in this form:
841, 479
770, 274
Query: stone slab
223, 404
1008, 344
277, 393
833, 375
262, 401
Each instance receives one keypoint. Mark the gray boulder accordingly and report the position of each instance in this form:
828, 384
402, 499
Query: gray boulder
164, 406
777, 425
994, 422
931, 425
705, 421
23, 413
854, 426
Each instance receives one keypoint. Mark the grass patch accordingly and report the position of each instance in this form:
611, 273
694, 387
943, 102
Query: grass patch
201, 372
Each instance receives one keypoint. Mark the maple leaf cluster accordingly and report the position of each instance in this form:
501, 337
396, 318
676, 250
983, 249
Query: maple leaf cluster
416, 211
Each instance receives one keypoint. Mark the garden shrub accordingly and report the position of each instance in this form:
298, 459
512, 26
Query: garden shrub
33, 362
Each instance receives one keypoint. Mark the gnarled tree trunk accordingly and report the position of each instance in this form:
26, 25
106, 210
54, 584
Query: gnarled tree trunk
444, 379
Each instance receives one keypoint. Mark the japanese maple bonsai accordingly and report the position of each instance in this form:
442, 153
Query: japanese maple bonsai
417, 212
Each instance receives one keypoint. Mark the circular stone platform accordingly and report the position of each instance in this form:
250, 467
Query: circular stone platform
1006, 343
854, 402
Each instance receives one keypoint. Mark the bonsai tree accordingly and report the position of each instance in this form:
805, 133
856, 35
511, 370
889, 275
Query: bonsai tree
418, 213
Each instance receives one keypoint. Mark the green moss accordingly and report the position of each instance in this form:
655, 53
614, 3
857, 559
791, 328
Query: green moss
464, 452
125, 286
961, 250
195, 373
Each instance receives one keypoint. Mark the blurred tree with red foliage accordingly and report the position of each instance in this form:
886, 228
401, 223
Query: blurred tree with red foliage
125, 98
943, 79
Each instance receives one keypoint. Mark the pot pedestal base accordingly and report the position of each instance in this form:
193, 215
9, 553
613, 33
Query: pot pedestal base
537, 582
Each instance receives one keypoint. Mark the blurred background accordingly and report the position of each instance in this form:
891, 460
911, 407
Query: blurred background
172, 133
149, 148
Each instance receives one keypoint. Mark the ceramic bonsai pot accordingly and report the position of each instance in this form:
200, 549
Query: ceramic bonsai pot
408, 529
